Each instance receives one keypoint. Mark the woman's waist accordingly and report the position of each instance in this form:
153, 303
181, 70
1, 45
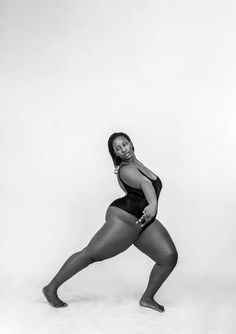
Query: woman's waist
132, 200
136, 198
132, 205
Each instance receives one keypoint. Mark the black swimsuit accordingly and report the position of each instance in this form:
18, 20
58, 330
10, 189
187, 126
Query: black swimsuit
135, 201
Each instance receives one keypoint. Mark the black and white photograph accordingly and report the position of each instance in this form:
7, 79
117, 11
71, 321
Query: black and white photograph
118, 167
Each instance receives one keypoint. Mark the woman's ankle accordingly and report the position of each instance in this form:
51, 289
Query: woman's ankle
147, 297
52, 286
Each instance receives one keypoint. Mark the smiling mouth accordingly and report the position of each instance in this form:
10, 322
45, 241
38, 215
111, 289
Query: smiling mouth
126, 154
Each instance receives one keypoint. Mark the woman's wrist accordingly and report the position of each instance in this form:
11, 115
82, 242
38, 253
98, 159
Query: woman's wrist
153, 204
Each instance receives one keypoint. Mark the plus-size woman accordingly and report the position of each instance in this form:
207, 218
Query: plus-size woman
130, 220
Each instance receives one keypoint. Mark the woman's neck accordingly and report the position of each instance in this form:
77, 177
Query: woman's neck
133, 162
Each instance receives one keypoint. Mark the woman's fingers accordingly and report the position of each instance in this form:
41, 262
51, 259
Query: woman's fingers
142, 219
146, 221
146, 217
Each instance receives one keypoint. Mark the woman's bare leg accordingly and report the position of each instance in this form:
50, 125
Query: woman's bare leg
156, 242
114, 237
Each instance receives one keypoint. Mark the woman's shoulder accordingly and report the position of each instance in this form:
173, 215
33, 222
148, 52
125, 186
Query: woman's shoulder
126, 167
129, 171
130, 175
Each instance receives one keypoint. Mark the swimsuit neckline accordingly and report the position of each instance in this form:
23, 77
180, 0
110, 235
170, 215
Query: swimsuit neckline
142, 173
146, 175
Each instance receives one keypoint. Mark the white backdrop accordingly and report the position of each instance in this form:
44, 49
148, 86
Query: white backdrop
72, 73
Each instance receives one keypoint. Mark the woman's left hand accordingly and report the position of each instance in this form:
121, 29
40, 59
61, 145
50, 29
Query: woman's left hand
148, 214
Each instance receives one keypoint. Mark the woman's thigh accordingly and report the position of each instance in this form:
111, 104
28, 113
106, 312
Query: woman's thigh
117, 234
156, 242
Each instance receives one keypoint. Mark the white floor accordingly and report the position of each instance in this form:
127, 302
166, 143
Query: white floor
105, 307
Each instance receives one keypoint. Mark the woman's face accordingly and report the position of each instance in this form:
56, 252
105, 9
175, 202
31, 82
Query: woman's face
123, 148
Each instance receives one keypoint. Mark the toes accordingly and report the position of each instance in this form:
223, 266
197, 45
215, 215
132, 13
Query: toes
152, 304
61, 304
64, 305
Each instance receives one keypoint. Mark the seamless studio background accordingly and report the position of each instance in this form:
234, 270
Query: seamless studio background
74, 72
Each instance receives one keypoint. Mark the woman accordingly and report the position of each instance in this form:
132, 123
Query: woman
122, 229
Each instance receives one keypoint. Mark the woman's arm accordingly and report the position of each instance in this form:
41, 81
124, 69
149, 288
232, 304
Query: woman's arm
135, 179
149, 192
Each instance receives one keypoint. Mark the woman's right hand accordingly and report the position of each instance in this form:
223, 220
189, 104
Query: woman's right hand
150, 212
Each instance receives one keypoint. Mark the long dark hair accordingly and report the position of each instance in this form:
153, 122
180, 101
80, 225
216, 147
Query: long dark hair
116, 160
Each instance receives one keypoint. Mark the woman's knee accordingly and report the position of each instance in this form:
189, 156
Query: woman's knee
170, 259
92, 255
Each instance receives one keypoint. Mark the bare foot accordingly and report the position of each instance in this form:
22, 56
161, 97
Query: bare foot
52, 297
151, 303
